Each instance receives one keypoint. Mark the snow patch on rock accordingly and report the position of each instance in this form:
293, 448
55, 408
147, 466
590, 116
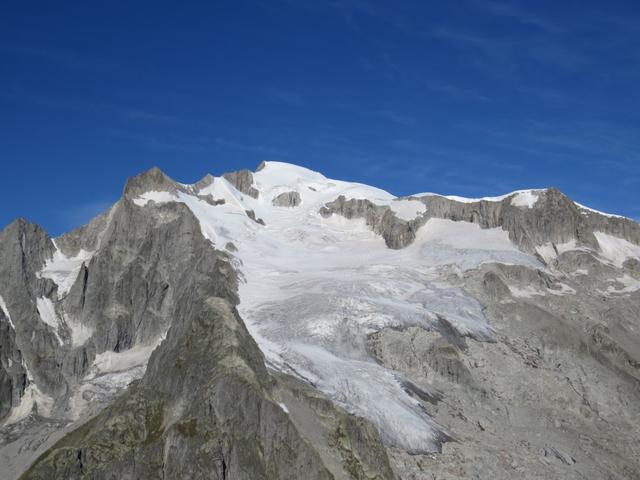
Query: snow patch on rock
111, 362
551, 251
79, 333
407, 209
154, 196
524, 197
527, 199
5, 310
64, 270
32, 397
48, 315
616, 250
629, 285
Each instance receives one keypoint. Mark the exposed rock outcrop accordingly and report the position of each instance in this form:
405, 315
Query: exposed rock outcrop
151, 180
243, 181
526, 365
206, 406
13, 375
24, 249
206, 409
252, 215
287, 199
201, 411
397, 233
552, 219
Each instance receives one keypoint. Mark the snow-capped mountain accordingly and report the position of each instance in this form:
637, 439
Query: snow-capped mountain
280, 324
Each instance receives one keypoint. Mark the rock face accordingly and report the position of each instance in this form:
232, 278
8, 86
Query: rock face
206, 405
287, 199
243, 181
204, 331
397, 233
13, 376
25, 340
554, 219
203, 410
550, 374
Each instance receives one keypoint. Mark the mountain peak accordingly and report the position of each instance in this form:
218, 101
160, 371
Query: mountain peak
153, 179
343, 289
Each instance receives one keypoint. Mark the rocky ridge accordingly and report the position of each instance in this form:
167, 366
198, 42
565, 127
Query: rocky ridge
85, 311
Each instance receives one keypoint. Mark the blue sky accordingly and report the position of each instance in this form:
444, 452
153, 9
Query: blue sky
461, 97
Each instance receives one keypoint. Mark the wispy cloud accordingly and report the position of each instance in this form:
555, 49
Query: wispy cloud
395, 116
457, 93
408, 145
466, 39
250, 147
526, 17
154, 116
352, 10
286, 97
391, 113
557, 54
129, 112
504, 56
549, 95
608, 147
64, 58
167, 142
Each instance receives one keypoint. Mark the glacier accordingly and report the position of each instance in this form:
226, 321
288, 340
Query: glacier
313, 288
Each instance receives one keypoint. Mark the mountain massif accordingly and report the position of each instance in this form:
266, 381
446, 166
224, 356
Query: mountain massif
278, 324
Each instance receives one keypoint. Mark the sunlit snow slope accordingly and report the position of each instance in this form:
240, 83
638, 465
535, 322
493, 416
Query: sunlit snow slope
314, 287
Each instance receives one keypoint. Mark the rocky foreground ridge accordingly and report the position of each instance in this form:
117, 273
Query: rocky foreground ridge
278, 324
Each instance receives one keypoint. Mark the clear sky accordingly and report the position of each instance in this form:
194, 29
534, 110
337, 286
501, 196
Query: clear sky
466, 97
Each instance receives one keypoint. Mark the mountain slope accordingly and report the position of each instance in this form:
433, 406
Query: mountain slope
476, 329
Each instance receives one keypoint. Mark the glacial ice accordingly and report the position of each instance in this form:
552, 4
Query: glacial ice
313, 288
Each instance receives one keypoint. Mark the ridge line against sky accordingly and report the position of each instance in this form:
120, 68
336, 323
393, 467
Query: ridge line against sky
469, 98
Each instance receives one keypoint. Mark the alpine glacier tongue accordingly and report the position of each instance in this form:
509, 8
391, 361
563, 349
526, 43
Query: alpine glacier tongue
315, 287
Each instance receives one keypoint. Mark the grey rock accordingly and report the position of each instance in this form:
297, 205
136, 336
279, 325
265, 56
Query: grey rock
211, 200
553, 393
541, 390
24, 248
554, 453
397, 233
287, 199
252, 215
151, 180
204, 182
206, 405
203, 410
13, 376
554, 219
243, 181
